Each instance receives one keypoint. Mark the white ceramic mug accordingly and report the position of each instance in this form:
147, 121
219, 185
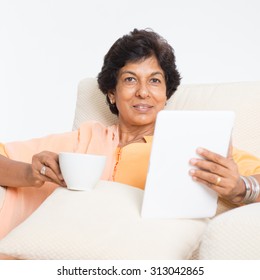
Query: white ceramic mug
81, 171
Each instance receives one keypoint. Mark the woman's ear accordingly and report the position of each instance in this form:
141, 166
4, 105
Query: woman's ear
111, 96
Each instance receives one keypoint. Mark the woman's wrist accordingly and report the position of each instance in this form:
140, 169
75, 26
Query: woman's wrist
30, 178
251, 190
21, 175
241, 192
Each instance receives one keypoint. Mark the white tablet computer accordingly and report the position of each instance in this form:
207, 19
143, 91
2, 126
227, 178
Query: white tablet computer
170, 191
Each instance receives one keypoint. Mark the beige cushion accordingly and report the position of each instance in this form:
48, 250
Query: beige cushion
233, 235
91, 104
241, 97
101, 224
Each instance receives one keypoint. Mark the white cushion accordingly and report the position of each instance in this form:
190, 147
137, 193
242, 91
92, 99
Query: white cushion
241, 97
101, 224
91, 104
233, 235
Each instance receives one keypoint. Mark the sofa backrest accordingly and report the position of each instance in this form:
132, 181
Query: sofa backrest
241, 97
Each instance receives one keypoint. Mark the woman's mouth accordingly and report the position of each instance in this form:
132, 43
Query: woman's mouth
142, 107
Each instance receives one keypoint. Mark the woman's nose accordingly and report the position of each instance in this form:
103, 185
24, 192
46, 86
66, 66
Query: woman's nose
142, 90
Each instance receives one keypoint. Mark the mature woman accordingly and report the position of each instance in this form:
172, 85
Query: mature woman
138, 76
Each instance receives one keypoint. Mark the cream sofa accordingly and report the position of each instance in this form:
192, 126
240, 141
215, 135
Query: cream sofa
232, 234
121, 234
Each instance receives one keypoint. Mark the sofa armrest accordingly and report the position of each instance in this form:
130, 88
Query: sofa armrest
233, 235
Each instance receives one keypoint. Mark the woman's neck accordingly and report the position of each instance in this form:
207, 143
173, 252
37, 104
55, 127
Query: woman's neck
128, 135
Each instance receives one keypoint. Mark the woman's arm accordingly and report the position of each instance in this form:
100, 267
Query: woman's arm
16, 174
19, 174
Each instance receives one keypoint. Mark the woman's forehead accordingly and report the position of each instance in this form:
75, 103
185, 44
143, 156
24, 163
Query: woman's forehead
148, 65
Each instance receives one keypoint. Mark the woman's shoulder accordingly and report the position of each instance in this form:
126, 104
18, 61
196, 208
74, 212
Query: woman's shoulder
97, 128
92, 124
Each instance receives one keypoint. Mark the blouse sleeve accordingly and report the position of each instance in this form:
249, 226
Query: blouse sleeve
248, 164
19, 203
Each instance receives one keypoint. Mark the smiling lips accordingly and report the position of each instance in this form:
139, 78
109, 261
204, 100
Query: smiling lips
142, 107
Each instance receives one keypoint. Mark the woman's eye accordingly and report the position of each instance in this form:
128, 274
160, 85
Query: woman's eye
154, 80
130, 79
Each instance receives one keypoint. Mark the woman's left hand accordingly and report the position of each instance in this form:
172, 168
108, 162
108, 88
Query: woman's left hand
218, 173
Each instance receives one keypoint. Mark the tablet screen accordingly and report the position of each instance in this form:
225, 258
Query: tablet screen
170, 191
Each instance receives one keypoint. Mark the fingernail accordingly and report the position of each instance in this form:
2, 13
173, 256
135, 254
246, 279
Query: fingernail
193, 161
200, 150
192, 172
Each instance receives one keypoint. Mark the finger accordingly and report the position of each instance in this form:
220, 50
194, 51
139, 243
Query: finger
50, 160
229, 193
50, 176
53, 164
211, 180
47, 167
211, 156
215, 188
210, 166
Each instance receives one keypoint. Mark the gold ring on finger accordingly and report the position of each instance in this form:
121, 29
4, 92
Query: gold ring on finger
218, 181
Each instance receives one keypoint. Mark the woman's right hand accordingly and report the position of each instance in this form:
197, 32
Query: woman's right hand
45, 168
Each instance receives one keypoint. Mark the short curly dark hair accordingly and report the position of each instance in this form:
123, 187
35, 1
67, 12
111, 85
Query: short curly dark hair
135, 46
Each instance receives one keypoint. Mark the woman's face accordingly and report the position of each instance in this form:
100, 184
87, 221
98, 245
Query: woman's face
140, 92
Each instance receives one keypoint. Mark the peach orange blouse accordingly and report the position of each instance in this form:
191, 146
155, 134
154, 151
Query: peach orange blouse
127, 165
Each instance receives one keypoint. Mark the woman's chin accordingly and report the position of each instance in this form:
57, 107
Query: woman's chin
144, 120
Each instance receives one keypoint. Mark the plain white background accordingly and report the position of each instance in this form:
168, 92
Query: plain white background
48, 46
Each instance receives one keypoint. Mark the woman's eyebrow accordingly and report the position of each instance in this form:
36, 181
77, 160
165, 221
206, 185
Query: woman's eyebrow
128, 72
133, 73
157, 73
